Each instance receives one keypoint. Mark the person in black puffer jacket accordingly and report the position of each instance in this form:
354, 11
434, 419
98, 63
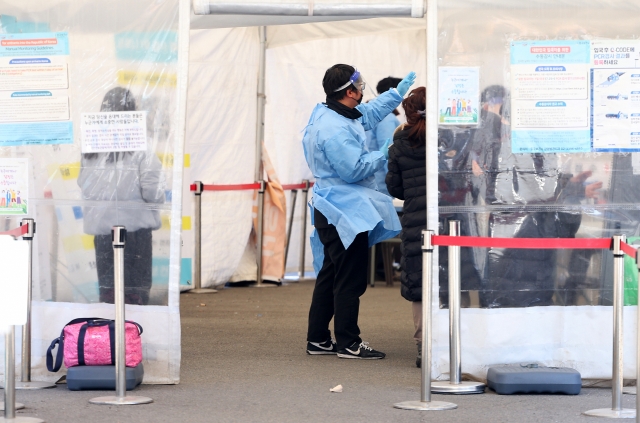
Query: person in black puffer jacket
406, 180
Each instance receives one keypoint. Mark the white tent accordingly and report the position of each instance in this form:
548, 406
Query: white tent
221, 137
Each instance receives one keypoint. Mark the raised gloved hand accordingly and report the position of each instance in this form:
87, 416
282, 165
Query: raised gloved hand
385, 148
406, 83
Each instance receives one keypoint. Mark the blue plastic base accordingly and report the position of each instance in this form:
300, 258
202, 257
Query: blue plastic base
103, 378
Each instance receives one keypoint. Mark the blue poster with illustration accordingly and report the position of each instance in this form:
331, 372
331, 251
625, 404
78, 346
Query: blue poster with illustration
458, 95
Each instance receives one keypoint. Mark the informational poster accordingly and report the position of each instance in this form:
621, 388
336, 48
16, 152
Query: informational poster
458, 95
34, 89
615, 89
550, 96
114, 131
14, 186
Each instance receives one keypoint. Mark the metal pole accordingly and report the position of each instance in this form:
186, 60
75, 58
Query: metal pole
455, 384
25, 377
197, 259
9, 406
259, 169
454, 307
10, 373
119, 238
372, 265
294, 196
616, 410
260, 283
425, 403
303, 230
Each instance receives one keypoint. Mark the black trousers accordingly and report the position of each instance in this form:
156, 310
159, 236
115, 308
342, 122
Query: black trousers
339, 286
137, 267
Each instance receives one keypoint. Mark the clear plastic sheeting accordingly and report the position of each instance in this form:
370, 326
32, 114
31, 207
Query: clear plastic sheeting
554, 155
498, 191
101, 143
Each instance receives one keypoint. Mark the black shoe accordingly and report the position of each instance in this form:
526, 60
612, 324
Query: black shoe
325, 348
361, 351
419, 357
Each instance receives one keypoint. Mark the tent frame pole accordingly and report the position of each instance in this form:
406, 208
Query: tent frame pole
259, 169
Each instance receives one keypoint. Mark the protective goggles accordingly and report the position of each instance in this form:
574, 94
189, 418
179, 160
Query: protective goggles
356, 80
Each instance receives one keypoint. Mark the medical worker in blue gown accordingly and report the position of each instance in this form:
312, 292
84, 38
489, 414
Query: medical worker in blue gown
349, 212
379, 134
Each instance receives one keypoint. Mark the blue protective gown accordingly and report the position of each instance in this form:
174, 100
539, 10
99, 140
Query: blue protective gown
345, 190
376, 138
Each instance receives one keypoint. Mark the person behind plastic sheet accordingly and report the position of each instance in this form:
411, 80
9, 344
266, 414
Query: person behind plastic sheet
383, 131
348, 212
520, 277
123, 179
406, 180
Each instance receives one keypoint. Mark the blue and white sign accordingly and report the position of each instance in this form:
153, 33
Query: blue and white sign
550, 96
34, 89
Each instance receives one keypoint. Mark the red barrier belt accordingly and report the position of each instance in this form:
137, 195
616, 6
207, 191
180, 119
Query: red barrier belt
237, 187
628, 250
534, 243
240, 187
19, 231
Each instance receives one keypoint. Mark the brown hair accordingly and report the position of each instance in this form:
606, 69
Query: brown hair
414, 108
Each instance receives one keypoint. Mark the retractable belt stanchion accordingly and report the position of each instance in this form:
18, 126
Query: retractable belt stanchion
119, 237
425, 403
260, 283
25, 377
455, 384
616, 411
197, 274
303, 231
294, 196
10, 405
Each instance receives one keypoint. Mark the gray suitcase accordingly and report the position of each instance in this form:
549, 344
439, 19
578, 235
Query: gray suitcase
533, 379
103, 378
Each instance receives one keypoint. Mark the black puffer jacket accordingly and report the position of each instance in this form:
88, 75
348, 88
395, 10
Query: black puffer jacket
406, 180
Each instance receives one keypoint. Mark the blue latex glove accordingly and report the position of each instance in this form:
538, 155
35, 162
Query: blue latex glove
406, 83
385, 148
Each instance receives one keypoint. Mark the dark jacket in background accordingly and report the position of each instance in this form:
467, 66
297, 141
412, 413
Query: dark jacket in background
406, 180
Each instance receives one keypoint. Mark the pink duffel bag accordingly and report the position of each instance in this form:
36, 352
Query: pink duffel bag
91, 342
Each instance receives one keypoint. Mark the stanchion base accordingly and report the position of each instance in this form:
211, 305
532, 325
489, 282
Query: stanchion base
460, 388
202, 291
113, 400
21, 419
630, 390
425, 406
19, 406
625, 413
34, 385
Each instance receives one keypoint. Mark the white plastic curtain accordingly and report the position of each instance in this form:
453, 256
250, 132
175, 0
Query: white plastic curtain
113, 44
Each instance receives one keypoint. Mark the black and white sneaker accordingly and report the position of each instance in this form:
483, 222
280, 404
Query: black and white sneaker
362, 351
324, 348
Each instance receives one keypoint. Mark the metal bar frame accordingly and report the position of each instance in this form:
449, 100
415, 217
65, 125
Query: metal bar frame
455, 385
25, 374
119, 238
197, 233
617, 373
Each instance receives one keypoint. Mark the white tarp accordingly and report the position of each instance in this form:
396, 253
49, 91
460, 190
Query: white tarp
222, 110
